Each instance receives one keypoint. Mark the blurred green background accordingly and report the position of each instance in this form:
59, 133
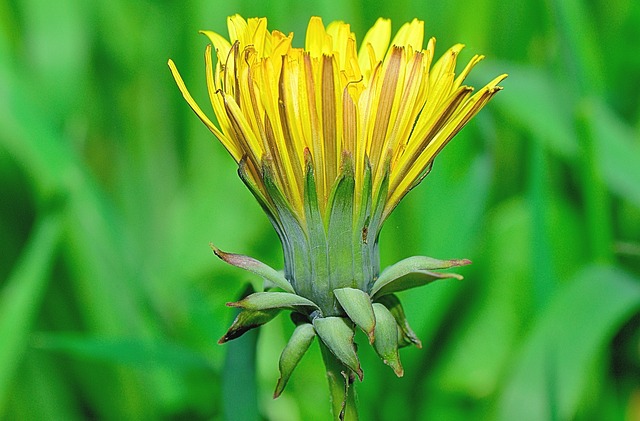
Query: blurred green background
111, 301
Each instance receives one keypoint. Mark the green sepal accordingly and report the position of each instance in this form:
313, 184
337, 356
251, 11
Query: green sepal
406, 335
357, 304
250, 264
293, 237
379, 202
341, 196
283, 208
386, 343
413, 272
264, 202
366, 199
375, 222
362, 251
311, 205
270, 300
315, 227
292, 354
247, 320
337, 334
340, 226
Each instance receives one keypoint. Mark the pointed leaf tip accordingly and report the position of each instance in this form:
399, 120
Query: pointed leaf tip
292, 354
271, 300
413, 272
252, 265
357, 304
337, 334
406, 335
247, 320
360, 373
386, 343
396, 367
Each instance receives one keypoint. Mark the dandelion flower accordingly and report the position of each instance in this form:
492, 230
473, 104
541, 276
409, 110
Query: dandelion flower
329, 138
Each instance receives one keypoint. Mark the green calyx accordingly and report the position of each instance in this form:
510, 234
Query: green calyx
333, 243
332, 283
377, 311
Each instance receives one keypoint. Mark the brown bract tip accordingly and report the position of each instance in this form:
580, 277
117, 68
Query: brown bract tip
216, 251
279, 390
360, 373
372, 337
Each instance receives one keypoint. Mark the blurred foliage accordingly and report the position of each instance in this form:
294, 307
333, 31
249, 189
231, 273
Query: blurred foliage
111, 301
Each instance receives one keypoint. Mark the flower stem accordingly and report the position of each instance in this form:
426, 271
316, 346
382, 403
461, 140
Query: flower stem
340, 384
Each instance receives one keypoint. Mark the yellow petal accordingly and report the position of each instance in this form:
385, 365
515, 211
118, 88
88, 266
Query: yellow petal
340, 34
317, 38
463, 75
378, 39
221, 45
228, 144
257, 35
280, 44
410, 35
237, 29
382, 104
386, 99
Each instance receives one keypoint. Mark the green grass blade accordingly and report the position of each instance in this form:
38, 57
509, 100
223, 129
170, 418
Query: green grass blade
546, 113
617, 151
597, 200
579, 46
544, 273
239, 383
135, 352
22, 297
566, 341
42, 391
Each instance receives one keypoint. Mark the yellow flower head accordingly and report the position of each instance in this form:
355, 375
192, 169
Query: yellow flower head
386, 109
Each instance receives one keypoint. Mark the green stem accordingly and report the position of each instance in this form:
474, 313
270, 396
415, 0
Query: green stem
343, 408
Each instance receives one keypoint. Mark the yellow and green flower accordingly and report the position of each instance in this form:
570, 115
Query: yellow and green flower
329, 138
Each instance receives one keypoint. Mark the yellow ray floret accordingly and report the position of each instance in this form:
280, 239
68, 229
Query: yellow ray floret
385, 102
